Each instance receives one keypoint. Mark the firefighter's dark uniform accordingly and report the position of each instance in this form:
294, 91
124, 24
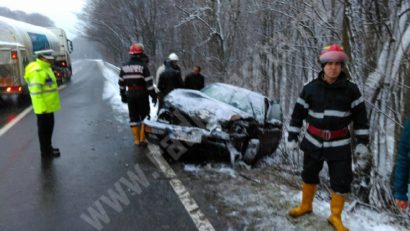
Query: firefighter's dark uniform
328, 110
329, 104
135, 84
169, 80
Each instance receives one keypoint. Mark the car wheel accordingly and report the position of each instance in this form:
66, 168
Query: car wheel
250, 154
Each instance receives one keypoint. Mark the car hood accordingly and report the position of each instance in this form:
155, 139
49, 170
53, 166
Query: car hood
196, 104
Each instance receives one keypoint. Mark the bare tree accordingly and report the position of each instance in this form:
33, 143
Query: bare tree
272, 47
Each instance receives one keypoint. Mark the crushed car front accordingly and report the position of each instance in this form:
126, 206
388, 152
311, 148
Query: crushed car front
191, 117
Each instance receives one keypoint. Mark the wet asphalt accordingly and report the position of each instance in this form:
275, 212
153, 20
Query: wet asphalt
10, 107
75, 191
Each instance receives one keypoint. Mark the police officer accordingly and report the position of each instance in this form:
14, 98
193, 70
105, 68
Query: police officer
135, 84
329, 104
44, 95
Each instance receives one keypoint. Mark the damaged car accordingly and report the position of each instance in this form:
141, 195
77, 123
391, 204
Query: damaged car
243, 123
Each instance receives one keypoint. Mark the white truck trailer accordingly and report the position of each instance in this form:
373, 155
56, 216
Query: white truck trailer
18, 42
63, 61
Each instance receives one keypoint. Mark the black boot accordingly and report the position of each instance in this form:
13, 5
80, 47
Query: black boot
55, 152
50, 153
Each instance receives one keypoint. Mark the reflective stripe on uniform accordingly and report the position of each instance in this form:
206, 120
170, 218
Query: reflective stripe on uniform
35, 85
132, 124
293, 129
356, 102
302, 102
133, 77
333, 113
49, 91
327, 144
362, 132
42, 92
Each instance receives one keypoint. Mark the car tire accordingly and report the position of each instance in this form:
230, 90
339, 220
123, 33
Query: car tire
251, 151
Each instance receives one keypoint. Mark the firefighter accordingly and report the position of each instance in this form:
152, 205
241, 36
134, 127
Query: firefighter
328, 104
135, 84
169, 80
195, 80
172, 61
42, 85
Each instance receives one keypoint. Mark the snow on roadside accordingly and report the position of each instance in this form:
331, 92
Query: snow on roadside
256, 199
259, 199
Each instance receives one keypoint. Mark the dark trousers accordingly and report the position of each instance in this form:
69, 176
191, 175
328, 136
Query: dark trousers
45, 125
340, 172
138, 106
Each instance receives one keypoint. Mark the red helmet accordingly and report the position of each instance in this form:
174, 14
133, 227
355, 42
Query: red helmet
136, 48
332, 53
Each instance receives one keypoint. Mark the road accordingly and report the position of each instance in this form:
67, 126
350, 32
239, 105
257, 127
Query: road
99, 162
9, 109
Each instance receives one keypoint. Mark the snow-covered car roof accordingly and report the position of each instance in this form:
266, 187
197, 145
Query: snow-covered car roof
246, 100
196, 103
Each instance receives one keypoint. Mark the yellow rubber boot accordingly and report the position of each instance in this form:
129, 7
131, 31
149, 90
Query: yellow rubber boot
336, 207
142, 135
136, 133
308, 193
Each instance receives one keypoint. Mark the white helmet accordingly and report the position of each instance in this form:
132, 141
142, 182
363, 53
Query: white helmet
45, 53
173, 57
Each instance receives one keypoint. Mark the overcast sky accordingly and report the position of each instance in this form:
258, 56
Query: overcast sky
62, 12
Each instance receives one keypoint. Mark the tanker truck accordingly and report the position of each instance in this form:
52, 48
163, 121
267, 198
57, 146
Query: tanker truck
18, 42
62, 66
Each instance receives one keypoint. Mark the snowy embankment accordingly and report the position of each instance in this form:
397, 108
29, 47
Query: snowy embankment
259, 199
256, 199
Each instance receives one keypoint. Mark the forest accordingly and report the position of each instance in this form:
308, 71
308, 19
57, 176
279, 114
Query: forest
272, 46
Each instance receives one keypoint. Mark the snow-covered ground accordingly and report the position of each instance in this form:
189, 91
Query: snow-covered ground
257, 199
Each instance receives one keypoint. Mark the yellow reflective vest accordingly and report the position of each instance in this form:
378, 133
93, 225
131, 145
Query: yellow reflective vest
43, 87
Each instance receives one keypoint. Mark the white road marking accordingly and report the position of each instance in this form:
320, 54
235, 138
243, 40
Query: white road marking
201, 222
154, 154
20, 116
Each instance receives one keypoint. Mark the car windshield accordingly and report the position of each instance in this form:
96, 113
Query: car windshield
242, 99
